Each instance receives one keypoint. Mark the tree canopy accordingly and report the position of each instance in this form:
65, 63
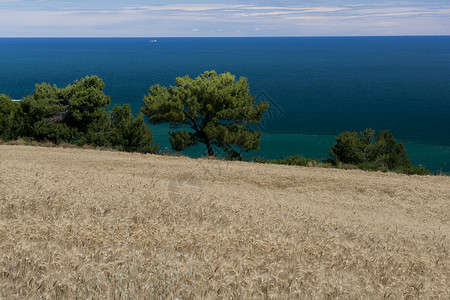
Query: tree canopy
77, 114
11, 122
63, 114
212, 109
382, 151
131, 133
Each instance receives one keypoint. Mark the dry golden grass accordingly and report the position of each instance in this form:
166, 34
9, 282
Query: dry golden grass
91, 224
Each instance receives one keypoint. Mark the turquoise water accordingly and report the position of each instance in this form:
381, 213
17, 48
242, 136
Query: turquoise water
317, 87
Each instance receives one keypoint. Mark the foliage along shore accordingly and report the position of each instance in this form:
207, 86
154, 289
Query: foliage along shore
295, 160
217, 111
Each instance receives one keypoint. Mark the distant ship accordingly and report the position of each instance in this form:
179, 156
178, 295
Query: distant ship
153, 41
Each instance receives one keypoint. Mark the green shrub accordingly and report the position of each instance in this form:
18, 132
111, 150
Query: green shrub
416, 171
296, 160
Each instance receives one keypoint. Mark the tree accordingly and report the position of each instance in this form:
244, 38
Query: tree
76, 113
390, 153
86, 102
45, 114
131, 134
119, 129
216, 109
63, 114
11, 123
97, 133
382, 151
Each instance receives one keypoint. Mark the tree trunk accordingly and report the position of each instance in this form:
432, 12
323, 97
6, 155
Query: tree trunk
209, 147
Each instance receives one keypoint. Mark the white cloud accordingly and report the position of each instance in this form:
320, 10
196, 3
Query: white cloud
176, 20
187, 8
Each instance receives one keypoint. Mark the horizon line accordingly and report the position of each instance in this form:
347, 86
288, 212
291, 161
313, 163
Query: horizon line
274, 36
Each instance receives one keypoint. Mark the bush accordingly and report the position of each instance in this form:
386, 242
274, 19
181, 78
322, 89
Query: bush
296, 160
416, 171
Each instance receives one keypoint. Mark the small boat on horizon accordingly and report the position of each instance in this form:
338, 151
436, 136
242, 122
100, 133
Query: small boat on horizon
153, 41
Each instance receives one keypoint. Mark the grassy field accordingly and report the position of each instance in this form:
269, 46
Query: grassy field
96, 224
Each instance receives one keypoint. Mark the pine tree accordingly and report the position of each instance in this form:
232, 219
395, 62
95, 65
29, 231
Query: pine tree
212, 109
11, 122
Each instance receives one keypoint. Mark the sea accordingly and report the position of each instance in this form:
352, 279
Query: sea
316, 87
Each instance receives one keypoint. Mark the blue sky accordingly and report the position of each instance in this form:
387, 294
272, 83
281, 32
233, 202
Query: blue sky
101, 18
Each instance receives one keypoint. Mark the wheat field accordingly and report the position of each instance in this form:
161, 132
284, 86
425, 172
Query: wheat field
93, 224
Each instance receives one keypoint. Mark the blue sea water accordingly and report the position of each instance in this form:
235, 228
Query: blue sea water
317, 87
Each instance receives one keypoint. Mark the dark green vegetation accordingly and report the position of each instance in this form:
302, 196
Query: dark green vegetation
11, 122
296, 160
216, 109
75, 114
367, 152
382, 151
212, 109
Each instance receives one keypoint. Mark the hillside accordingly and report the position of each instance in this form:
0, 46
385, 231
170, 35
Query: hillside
117, 225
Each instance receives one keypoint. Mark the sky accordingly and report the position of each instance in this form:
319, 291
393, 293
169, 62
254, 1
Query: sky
183, 18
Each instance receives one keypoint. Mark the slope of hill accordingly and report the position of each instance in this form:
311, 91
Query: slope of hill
85, 223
